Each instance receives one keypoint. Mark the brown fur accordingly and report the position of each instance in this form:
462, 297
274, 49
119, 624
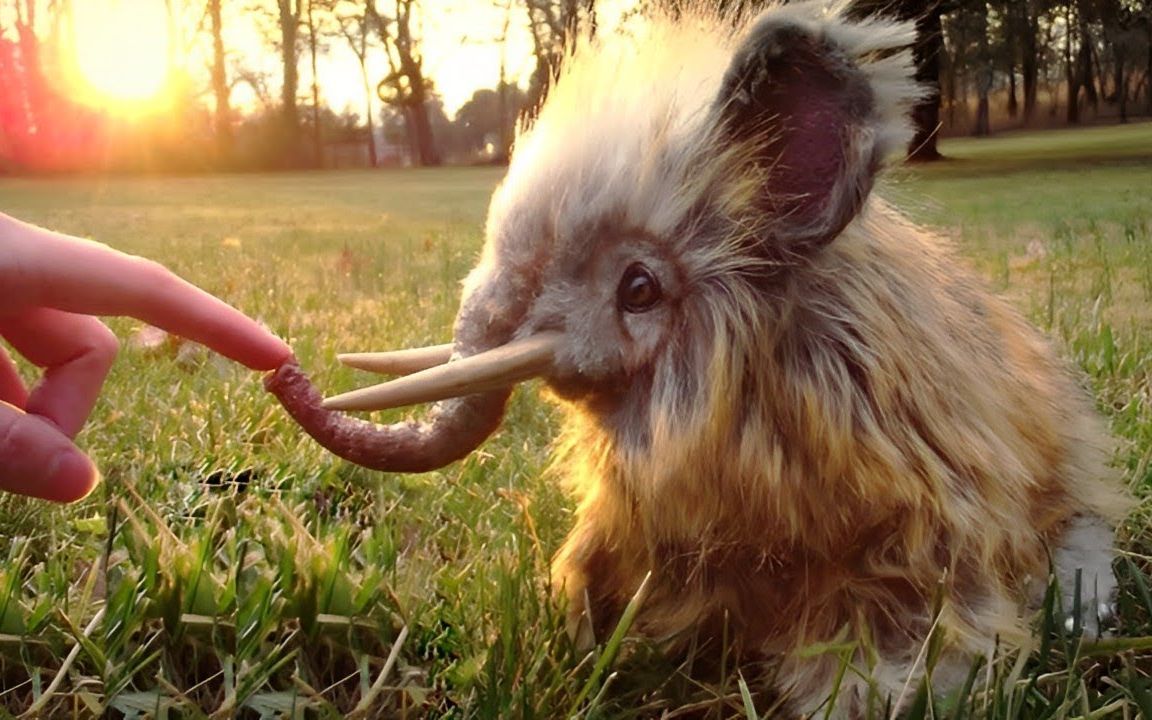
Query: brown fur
889, 433
829, 430
824, 430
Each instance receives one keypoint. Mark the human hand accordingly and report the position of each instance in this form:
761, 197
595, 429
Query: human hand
51, 285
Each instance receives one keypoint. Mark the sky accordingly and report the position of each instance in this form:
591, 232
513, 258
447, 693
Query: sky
123, 54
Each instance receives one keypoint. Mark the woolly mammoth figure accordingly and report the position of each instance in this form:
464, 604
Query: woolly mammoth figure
786, 403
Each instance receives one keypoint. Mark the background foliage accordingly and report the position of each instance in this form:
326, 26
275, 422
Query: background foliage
995, 65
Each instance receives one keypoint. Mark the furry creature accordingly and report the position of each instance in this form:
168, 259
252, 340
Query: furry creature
792, 407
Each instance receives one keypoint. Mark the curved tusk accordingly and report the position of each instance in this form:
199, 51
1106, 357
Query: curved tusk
497, 368
398, 362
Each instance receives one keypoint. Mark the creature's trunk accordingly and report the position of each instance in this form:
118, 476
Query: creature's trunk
454, 428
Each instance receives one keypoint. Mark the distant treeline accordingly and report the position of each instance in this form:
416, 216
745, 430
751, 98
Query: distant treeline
995, 64
1044, 62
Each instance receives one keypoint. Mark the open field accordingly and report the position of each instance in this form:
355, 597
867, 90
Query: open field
230, 567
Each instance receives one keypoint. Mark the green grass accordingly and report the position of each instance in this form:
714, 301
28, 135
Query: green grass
230, 567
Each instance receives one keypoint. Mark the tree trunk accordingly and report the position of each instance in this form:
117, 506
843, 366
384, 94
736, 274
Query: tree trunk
1120, 80
983, 126
372, 161
356, 30
37, 118
421, 128
289, 28
1029, 49
1013, 104
949, 81
1071, 76
542, 73
556, 26
504, 151
1148, 69
926, 53
220, 89
1084, 65
983, 71
1010, 20
313, 51
405, 87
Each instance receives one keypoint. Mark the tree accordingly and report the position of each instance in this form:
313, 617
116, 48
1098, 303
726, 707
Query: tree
406, 86
1003, 45
1079, 71
32, 99
927, 52
1123, 35
556, 26
1146, 19
313, 18
508, 112
484, 119
1022, 22
257, 81
37, 123
354, 19
220, 87
289, 14
984, 75
1071, 77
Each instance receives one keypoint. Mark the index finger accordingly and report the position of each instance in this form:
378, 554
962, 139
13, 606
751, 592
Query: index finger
82, 276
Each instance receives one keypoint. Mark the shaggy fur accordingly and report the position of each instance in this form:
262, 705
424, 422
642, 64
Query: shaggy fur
818, 428
829, 427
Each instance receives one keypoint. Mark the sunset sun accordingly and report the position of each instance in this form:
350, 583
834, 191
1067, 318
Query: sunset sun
121, 53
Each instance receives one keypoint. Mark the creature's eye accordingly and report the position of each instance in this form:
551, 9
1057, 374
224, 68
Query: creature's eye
639, 289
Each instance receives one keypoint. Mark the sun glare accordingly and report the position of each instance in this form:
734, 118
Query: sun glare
121, 53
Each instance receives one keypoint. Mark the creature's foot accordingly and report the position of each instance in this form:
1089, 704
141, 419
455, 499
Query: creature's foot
1086, 550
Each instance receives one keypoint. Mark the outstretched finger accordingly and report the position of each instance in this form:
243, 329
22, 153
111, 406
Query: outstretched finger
36, 459
82, 276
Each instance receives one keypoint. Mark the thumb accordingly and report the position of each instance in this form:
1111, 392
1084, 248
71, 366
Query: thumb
37, 459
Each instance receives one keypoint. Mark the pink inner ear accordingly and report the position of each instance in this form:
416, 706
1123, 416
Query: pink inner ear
811, 185
810, 162
804, 102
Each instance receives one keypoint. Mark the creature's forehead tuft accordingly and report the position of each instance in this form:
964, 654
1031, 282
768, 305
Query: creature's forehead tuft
614, 138
628, 132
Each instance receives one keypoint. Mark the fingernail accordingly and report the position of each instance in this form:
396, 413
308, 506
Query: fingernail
72, 479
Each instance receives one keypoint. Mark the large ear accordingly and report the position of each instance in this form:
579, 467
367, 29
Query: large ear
805, 98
